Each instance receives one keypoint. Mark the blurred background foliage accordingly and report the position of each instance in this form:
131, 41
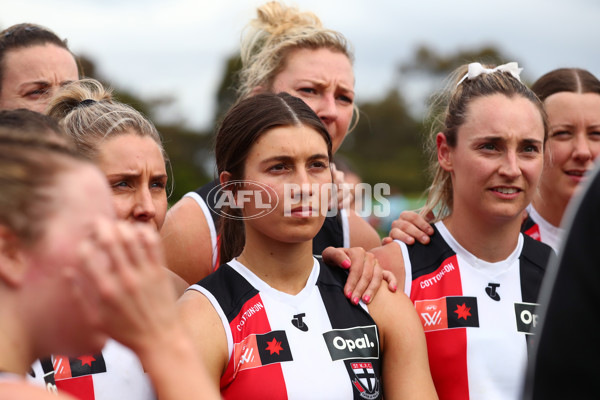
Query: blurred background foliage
385, 146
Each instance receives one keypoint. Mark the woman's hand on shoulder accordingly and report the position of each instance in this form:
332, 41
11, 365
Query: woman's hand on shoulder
409, 227
365, 274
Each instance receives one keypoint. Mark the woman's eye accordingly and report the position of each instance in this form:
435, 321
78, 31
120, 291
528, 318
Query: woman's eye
307, 90
277, 167
158, 185
531, 149
319, 164
560, 133
120, 184
487, 146
345, 99
37, 93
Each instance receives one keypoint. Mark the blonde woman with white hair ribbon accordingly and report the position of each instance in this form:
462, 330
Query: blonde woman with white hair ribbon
476, 284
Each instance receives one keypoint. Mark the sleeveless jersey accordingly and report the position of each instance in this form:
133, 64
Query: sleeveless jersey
334, 232
540, 229
476, 315
312, 345
116, 373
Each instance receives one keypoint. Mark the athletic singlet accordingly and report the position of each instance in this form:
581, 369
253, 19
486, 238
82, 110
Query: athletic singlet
540, 229
312, 345
116, 373
476, 315
334, 232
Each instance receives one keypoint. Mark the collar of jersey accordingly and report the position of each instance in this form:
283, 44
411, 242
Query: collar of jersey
490, 268
265, 289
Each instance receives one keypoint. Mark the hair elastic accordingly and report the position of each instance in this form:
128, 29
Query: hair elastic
476, 69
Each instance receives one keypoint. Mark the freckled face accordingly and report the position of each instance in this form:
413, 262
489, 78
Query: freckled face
32, 75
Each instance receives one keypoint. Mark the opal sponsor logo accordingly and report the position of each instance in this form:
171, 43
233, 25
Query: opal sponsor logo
527, 318
360, 342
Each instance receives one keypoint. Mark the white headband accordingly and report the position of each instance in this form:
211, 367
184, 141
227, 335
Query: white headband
476, 69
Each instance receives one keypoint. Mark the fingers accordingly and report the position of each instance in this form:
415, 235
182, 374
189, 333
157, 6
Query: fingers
410, 226
390, 278
336, 256
373, 284
363, 271
387, 240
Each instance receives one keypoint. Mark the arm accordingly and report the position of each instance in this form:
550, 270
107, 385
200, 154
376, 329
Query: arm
361, 233
390, 258
206, 329
405, 367
410, 226
186, 240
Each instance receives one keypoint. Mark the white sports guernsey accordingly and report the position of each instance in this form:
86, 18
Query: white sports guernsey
476, 315
540, 229
116, 373
312, 345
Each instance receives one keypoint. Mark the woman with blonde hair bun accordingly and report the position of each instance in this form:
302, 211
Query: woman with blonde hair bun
284, 50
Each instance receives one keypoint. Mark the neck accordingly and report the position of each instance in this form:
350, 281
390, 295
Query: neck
549, 206
488, 240
283, 266
15, 355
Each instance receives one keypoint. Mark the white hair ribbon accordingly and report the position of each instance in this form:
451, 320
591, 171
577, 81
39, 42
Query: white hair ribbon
476, 69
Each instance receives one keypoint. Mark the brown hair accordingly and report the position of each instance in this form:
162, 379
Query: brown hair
242, 126
449, 111
26, 35
573, 80
26, 123
29, 167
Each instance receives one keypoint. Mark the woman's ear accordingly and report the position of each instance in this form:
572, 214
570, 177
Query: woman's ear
12, 259
224, 177
443, 152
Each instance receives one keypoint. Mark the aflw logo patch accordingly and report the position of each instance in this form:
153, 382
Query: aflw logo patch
258, 350
448, 313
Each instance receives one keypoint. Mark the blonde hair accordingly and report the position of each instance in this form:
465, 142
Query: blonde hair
448, 113
268, 39
88, 113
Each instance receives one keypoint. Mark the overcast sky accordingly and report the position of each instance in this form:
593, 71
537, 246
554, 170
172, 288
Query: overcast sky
178, 47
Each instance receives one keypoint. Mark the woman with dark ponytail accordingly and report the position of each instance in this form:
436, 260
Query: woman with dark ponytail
273, 312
